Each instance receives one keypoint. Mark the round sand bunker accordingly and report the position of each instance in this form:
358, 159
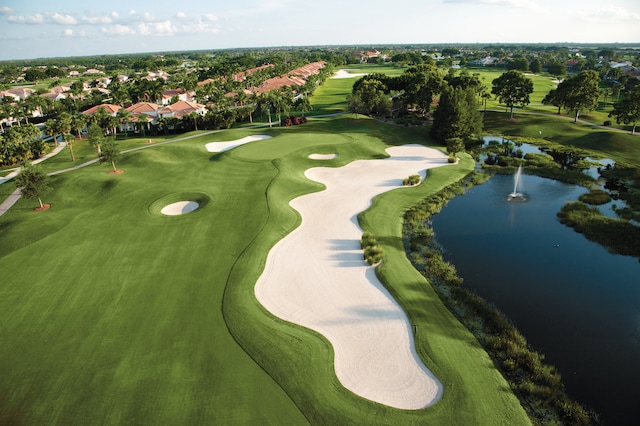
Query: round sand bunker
181, 207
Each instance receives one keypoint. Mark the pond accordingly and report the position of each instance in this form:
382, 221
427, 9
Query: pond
573, 301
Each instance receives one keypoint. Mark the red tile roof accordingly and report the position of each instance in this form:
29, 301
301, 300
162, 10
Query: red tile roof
111, 109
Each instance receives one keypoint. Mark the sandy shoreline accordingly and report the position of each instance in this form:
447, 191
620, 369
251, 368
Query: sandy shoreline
316, 277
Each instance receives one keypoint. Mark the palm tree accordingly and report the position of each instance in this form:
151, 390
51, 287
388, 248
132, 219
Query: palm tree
78, 122
193, 115
69, 139
242, 97
51, 129
124, 118
303, 103
143, 121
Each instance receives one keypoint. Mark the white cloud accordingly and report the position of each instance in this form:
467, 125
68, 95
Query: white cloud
209, 17
118, 29
97, 19
6, 10
63, 19
156, 28
181, 15
68, 32
609, 13
38, 18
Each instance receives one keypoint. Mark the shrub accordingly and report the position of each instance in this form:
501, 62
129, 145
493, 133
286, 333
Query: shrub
373, 254
411, 180
367, 240
607, 123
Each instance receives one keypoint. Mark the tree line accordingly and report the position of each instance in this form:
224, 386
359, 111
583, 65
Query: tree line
457, 98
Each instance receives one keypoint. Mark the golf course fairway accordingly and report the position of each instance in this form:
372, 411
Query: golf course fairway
115, 313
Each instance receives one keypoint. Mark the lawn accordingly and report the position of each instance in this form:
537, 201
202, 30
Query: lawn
114, 313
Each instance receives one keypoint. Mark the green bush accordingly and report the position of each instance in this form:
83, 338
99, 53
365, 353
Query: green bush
411, 180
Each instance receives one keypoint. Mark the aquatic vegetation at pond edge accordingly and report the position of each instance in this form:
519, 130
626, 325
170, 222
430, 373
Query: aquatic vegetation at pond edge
538, 385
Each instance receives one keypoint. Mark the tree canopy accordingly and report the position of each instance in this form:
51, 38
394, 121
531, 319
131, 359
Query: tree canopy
457, 115
627, 110
579, 93
32, 182
512, 89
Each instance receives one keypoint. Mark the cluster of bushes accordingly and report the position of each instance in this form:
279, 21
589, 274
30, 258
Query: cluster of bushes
411, 180
21, 143
373, 253
292, 120
537, 385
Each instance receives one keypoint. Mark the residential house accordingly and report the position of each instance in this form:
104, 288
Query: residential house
169, 94
180, 109
143, 108
110, 108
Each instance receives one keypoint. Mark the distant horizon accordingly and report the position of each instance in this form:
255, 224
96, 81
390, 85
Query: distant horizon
592, 45
39, 29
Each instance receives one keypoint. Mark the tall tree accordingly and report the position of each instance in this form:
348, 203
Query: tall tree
33, 183
457, 115
110, 152
95, 136
556, 97
421, 84
581, 92
512, 88
627, 110
370, 97
124, 118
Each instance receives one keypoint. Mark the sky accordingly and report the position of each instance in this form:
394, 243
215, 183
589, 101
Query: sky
32, 29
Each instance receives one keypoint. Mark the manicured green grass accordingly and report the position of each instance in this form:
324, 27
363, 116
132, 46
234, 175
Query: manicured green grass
608, 143
113, 313
122, 315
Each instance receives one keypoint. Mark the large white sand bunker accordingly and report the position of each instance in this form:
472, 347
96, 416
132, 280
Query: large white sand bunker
227, 145
343, 73
316, 277
323, 156
181, 207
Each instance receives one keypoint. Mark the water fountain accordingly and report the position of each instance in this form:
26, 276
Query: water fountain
515, 195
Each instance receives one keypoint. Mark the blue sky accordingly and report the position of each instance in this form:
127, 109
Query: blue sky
39, 28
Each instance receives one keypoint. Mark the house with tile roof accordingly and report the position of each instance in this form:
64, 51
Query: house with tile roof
168, 94
110, 108
180, 109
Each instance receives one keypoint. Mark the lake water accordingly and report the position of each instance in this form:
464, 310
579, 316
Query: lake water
573, 301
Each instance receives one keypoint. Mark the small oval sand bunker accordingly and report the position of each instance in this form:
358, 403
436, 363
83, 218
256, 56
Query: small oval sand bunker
181, 207
323, 156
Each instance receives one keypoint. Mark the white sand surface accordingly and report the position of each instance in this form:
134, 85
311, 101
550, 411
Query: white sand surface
343, 73
227, 145
323, 156
181, 207
316, 277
